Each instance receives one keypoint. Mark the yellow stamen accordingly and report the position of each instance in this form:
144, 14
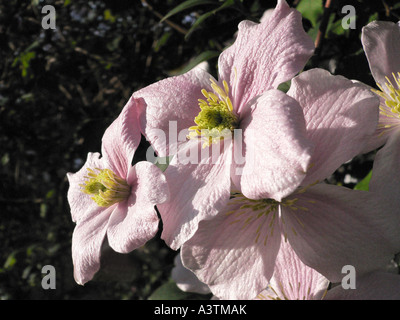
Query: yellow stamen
391, 95
105, 187
216, 120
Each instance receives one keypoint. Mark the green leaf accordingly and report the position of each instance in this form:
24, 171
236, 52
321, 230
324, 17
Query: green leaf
163, 162
364, 183
205, 16
186, 5
311, 10
162, 41
204, 56
285, 86
11, 260
43, 210
168, 291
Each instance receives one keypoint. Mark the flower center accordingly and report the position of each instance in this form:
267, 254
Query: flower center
264, 212
105, 187
392, 97
216, 119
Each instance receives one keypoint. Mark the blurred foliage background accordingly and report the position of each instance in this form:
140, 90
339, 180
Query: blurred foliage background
61, 88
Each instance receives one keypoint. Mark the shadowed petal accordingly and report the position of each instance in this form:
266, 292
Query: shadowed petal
330, 226
374, 286
135, 221
186, 279
385, 180
381, 42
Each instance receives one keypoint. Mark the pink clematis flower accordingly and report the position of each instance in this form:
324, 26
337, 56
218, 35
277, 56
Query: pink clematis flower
381, 42
327, 226
274, 152
109, 197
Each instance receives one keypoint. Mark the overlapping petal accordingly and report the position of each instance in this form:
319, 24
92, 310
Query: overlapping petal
292, 279
381, 42
385, 183
373, 286
330, 226
265, 55
169, 107
199, 188
135, 221
121, 140
80, 203
340, 115
87, 240
186, 279
277, 151
234, 253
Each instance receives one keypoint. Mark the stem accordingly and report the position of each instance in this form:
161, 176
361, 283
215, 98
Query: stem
323, 26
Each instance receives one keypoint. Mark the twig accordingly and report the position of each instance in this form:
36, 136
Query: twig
160, 16
323, 26
387, 9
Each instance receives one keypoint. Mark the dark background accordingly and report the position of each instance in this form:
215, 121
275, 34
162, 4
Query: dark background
60, 89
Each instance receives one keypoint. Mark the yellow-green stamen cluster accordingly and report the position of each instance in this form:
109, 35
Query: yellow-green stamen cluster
265, 211
262, 208
105, 187
216, 119
391, 108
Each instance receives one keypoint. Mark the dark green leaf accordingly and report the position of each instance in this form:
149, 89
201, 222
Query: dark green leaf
364, 183
204, 56
205, 16
311, 10
186, 5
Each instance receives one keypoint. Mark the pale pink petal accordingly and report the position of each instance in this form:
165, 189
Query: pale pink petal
121, 140
382, 132
266, 15
341, 115
151, 184
292, 279
87, 239
186, 280
135, 221
265, 55
385, 180
81, 203
330, 226
199, 188
169, 106
276, 149
234, 252
381, 42
373, 286
386, 170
